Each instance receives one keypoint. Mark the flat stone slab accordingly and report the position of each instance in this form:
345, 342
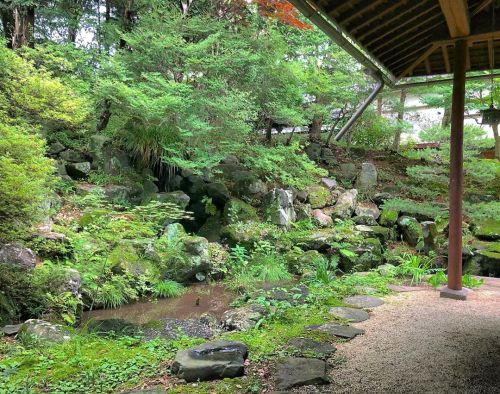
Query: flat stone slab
363, 301
298, 371
352, 314
307, 345
337, 330
211, 360
11, 329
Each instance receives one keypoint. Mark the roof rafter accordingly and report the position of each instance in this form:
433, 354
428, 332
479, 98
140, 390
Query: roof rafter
456, 13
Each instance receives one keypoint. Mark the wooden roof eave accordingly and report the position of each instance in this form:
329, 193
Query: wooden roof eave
345, 41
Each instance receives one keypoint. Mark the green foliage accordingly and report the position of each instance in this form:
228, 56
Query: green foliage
281, 164
483, 211
167, 289
326, 269
373, 131
414, 266
34, 96
25, 180
439, 278
411, 207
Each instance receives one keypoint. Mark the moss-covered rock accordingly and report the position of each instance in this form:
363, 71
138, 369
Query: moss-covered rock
319, 196
411, 230
368, 255
488, 230
300, 263
237, 210
384, 234
388, 218
248, 233
125, 260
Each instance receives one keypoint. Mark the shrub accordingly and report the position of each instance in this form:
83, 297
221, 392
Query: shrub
167, 289
285, 165
25, 180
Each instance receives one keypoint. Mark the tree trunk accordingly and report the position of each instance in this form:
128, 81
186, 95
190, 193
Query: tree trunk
127, 21
315, 128
269, 130
401, 114
289, 140
8, 25
105, 115
497, 140
446, 118
24, 24
342, 114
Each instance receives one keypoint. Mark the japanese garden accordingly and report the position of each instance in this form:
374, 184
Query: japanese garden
249, 196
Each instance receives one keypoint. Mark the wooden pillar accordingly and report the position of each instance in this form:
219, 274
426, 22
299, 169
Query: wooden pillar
456, 168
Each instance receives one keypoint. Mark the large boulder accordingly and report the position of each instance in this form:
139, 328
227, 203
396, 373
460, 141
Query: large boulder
319, 196
212, 360
218, 192
368, 255
108, 158
367, 178
300, 262
191, 262
321, 219
329, 183
124, 259
348, 171
45, 331
72, 156
346, 204
78, 170
410, 229
177, 197
237, 210
245, 234
17, 256
367, 209
278, 207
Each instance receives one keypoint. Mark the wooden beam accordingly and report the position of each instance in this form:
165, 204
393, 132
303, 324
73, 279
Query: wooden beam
345, 19
456, 13
446, 58
378, 15
398, 27
419, 60
428, 69
420, 31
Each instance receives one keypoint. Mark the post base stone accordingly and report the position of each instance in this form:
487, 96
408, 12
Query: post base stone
462, 294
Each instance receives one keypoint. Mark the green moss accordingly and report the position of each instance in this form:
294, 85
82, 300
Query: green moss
92, 216
124, 259
489, 230
237, 210
388, 217
318, 196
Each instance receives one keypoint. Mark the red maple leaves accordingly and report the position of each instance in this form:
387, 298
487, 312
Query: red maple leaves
283, 11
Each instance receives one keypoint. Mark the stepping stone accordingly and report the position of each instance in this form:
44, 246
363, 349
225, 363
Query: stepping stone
352, 314
11, 329
363, 301
297, 371
307, 345
212, 360
347, 332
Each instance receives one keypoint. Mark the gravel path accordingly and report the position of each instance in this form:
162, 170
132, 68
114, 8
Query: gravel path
418, 342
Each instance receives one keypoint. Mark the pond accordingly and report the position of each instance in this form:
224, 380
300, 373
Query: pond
197, 299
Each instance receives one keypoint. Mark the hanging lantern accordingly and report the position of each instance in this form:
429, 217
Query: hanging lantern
491, 116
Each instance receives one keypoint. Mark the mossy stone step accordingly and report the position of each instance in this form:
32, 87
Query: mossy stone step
363, 301
352, 314
337, 330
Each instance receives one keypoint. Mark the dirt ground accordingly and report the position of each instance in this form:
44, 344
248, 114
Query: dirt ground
418, 342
